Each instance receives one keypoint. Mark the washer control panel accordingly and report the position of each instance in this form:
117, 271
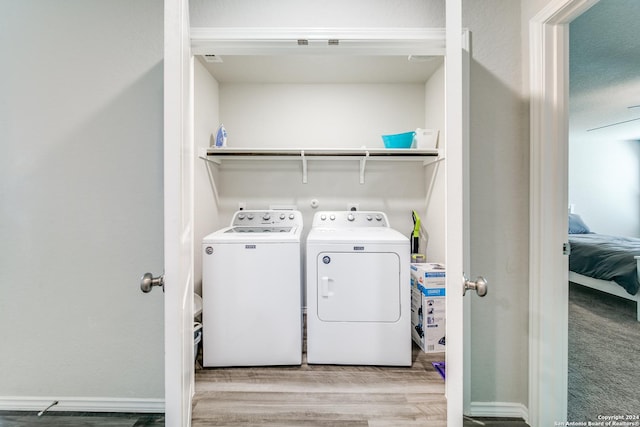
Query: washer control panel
274, 218
349, 219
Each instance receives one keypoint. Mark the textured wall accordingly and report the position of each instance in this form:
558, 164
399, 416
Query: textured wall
81, 199
311, 13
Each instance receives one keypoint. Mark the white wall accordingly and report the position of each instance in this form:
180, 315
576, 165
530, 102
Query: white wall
81, 201
604, 185
323, 115
319, 115
206, 119
306, 115
434, 217
296, 119
312, 13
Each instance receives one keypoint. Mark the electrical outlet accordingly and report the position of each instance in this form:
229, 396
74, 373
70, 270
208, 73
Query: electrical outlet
242, 206
353, 206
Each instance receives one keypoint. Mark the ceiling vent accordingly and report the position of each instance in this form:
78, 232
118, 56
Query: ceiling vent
212, 58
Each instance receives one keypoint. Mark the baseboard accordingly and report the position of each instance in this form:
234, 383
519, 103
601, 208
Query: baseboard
81, 404
499, 409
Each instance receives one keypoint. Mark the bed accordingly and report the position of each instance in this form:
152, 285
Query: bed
609, 264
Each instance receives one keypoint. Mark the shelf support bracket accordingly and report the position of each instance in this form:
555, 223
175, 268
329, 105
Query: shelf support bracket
363, 165
304, 167
202, 153
216, 161
431, 162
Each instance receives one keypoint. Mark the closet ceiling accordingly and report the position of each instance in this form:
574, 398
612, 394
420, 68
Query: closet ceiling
322, 69
605, 72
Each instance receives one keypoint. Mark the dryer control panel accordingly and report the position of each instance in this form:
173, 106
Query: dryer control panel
350, 219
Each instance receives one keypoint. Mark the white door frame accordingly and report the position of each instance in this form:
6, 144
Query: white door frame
548, 267
455, 131
178, 215
204, 39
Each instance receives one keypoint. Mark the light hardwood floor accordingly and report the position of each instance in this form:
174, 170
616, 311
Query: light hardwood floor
300, 396
322, 395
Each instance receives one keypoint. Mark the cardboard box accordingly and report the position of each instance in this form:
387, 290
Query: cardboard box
428, 311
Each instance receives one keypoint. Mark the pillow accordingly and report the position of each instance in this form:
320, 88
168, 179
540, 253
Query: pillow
577, 226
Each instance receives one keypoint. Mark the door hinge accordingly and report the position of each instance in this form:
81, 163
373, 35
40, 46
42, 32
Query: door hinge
566, 248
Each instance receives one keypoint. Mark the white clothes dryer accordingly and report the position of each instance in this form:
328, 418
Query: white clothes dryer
358, 291
251, 291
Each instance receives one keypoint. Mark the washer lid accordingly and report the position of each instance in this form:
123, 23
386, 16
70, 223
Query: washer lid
255, 234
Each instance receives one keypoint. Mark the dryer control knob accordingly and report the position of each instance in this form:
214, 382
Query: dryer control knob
350, 217
379, 217
282, 216
250, 216
291, 216
323, 217
241, 216
369, 218
332, 217
266, 217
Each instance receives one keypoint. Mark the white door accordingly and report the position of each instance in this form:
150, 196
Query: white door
178, 215
457, 212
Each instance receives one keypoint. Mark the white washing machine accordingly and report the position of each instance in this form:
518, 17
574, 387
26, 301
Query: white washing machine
358, 291
251, 291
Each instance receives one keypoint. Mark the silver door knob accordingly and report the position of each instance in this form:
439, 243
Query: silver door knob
147, 282
480, 286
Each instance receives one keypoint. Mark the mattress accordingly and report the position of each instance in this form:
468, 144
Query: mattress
606, 258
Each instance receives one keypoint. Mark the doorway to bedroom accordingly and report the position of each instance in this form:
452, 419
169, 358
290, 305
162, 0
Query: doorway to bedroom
604, 199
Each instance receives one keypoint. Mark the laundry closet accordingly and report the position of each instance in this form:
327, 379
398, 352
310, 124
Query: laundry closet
304, 109
304, 119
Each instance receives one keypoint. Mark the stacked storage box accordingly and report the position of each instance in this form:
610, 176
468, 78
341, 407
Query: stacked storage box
428, 315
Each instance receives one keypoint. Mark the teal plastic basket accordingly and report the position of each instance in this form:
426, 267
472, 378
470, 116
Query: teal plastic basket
398, 140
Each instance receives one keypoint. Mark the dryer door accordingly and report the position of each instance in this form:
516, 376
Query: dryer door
358, 287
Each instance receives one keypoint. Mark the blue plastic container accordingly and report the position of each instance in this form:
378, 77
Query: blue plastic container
398, 140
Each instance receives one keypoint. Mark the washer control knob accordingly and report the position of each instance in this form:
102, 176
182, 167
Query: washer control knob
292, 216
369, 218
241, 216
350, 217
332, 217
250, 216
378, 217
323, 217
266, 217
282, 216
